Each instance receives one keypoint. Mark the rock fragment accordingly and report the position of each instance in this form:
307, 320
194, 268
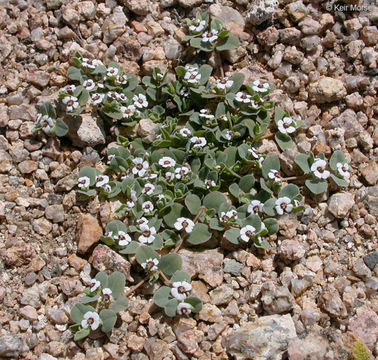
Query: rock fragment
88, 233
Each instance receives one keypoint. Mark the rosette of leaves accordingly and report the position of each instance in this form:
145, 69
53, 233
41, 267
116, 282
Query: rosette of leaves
314, 184
107, 311
164, 298
285, 126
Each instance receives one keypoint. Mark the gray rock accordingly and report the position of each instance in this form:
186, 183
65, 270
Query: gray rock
114, 25
147, 130
276, 299
261, 10
266, 338
221, 295
371, 260
31, 297
340, 203
190, 3
330, 301
232, 266
86, 130
70, 15
12, 345
172, 49
297, 10
230, 17
139, 7
291, 250
327, 89
361, 270
87, 9
55, 213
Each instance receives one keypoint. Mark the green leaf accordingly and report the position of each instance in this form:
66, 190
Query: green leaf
180, 276
115, 227
234, 190
170, 263
47, 109
109, 319
214, 200
284, 141
171, 307
337, 157
221, 109
176, 211
238, 80
116, 283
339, 182
81, 334
227, 43
271, 225
291, 191
78, 312
102, 277
89, 299
131, 248
89, 172
75, 74
195, 302
270, 163
120, 305
83, 97
317, 186
205, 71
262, 245
193, 203
61, 129
269, 207
302, 161
162, 296
199, 235
279, 114
253, 220
232, 235
112, 112
144, 253
246, 183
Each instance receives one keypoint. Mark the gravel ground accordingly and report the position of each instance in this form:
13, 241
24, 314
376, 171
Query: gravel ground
310, 296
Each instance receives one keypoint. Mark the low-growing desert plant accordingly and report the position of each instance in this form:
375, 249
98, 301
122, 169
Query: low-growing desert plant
201, 179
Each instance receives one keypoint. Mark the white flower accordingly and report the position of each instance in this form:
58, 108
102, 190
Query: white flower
180, 289
223, 117
283, 204
274, 175
247, 232
107, 295
318, 168
169, 176
286, 125
87, 63
192, 77
91, 319
252, 151
71, 103
210, 36
112, 95
46, 122
147, 207
197, 26
101, 180
184, 92
109, 234
243, 97
224, 83
261, 161
141, 166
185, 132
94, 285
129, 111
130, 203
150, 264
140, 101
226, 216
184, 223
142, 221
83, 182
89, 84
210, 183
254, 104
148, 234
184, 308
198, 141
181, 172
123, 238
258, 87
122, 97
148, 189
70, 88
97, 98
107, 188
205, 113
112, 71
159, 76
232, 214
167, 162
133, 195
121, 79
255, 206
110, 158
228, 135
343, 170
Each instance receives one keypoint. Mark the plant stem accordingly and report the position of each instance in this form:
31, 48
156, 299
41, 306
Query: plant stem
137, 286
219, 61
183, 237
301, 177
266, 136
166, 280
